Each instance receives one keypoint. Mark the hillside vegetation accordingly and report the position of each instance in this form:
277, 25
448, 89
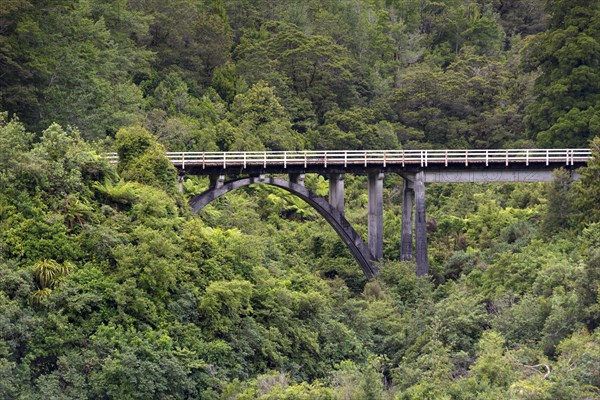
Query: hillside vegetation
111, 289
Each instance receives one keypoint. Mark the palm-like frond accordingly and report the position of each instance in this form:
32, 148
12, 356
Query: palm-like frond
49, 273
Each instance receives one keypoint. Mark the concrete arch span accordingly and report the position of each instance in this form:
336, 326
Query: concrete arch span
349, 236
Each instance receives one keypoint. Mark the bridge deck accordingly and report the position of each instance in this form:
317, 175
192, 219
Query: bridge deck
361, 161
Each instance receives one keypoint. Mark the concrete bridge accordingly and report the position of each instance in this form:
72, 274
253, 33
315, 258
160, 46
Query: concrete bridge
417, 167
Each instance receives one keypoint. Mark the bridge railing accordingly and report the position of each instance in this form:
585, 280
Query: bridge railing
344, 158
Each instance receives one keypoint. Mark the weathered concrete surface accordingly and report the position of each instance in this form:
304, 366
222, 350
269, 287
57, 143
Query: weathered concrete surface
349, 236
490, 175
375, 223
406, 242
336, 191
297, 178
420, 225
216, 181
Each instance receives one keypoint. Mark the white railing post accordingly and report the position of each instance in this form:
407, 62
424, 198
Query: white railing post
224, 160
466, 158
265, 160
244, 160
572, 156
345, 159
527, 158
284, 159
487, 158
547, 157
182, 160
325, 159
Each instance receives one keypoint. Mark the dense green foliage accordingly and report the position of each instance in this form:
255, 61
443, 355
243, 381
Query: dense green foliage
110, 289
237, 74
566, 111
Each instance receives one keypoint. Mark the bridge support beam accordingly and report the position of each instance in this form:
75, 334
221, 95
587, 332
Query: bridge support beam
420, 225
406, 244
336, 192
375, 183
297, 179
216, 181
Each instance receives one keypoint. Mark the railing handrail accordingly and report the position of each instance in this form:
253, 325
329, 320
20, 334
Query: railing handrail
385, 157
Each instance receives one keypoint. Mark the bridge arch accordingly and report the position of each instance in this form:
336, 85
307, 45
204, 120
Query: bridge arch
349, 236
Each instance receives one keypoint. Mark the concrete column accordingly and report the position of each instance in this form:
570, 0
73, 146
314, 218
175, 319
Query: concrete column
297, 178
421, 225
336, 191
375, 180
216, 181
406, 244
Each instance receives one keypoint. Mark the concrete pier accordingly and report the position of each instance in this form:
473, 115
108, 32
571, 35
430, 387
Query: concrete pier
406, 241
216, 181
375, 184
420, 225
336, 191
297, 178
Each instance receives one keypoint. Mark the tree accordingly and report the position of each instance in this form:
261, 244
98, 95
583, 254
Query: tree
312, 67
566, 111
560, 207
587, 188
452, 25
522, 17
49, 275
142, 159
473, 102
226, 82
17, 90
15, 141
356, 128
190, 37
492, 366
259, 115
181, 121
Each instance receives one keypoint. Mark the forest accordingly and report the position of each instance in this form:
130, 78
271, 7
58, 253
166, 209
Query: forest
111, 289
